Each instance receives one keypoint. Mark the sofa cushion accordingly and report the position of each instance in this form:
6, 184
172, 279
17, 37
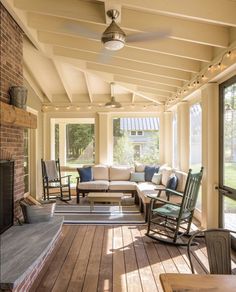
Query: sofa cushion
85, 173
122, 186
182, 178
156, 179
166, 172
121, 173
94, 185
100, 172
149, 172
137, 177
139, 167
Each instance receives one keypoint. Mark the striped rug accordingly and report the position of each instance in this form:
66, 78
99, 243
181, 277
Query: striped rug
102, 214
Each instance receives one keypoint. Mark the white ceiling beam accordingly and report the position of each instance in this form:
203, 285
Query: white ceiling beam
62, 78
131, 65
88, 87
133, 98
107, 71
92, 12
219, 12
145, 83
32, 82
169, 46
46, 92
73, 9
127, 53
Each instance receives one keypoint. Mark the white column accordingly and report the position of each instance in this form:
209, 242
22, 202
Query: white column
183, 121
210, 155
168, 135
105, 149
161, 138
62, 144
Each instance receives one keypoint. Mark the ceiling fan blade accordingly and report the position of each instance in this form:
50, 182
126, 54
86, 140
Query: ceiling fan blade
147, 36
105, 56
80, 30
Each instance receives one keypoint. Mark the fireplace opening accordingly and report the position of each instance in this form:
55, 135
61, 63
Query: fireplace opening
6, 194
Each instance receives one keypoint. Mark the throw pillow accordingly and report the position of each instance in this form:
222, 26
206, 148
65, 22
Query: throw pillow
149, 172
139, 167
156, 179
85, 173
137, 177
172, 183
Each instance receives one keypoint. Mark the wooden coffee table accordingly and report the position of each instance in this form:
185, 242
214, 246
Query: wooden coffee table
104, 197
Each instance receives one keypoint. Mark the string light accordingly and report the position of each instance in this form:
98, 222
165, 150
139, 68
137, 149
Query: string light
203, 76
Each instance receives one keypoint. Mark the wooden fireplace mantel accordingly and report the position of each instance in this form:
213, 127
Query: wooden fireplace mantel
11, 115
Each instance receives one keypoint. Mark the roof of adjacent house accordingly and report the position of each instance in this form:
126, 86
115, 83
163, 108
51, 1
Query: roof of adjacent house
139, 124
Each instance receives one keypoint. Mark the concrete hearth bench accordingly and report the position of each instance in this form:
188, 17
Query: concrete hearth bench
24, 250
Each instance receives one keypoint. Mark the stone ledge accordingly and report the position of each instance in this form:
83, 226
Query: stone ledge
23, 248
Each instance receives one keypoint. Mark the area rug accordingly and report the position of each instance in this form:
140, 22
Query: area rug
102, 213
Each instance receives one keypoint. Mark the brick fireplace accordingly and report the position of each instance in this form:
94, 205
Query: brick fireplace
11, 68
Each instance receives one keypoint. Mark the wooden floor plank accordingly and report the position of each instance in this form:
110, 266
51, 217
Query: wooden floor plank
111, 259
119, 279
78, 275
165, 257
105, 273
131, 266
66, 271
91, 278
178, 259
147, 279
53, 271
153, 257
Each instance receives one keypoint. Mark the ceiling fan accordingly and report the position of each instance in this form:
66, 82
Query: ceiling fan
114, 37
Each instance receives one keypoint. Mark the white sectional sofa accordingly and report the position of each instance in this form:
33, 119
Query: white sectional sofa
105, 178
117, 179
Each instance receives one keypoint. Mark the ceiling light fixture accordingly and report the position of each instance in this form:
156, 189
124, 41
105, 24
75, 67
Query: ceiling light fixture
113, 103
113, 37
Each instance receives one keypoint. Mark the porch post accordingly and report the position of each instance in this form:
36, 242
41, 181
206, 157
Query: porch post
210, 155
105, 149
168, 137
62, 144
183, 135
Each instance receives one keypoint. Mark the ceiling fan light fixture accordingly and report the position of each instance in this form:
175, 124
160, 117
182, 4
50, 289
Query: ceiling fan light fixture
113, 103
113, 37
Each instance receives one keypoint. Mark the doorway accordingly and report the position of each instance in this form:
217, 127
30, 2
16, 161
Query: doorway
227, 179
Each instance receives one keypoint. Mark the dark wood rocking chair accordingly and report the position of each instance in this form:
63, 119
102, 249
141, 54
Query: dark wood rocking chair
52, 179
170, 221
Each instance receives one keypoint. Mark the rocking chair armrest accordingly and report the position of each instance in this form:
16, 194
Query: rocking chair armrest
174, 192
155, 198
168, 202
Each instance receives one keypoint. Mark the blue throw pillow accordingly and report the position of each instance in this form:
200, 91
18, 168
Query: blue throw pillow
149, 172
85, 173
172, 183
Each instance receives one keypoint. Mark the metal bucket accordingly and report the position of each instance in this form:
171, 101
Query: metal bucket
18, 96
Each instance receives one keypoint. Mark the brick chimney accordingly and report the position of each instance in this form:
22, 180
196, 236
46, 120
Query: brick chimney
11, 69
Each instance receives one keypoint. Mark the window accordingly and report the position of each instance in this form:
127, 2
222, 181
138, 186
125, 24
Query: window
135, 139
136, 133
26, 161
196, 142
175, 142
75, 142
